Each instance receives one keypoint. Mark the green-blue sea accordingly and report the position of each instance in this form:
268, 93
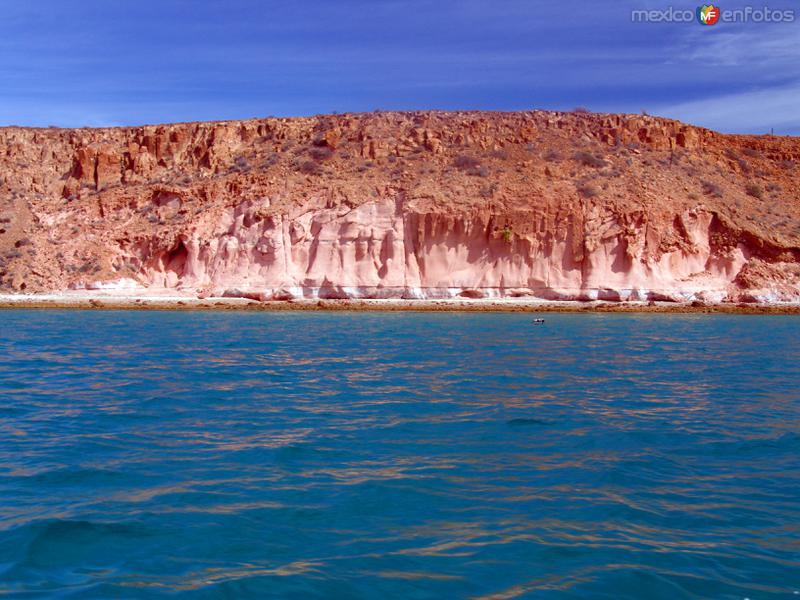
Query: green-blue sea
398, 455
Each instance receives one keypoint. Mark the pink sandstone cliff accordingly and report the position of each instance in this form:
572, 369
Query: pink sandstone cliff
404, 205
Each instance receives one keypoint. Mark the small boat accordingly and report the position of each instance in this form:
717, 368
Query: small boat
538, 320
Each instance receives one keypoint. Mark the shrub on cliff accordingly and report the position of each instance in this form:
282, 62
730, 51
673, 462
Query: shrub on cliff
499, 154
754, 190
470, 165
465, 162
712, 189
488, 191
90, 266
552, 156
273, 159
320, 153
589, 160
309, 167
479, 172
743, 166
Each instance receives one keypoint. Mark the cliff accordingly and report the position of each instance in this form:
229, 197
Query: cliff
407, 205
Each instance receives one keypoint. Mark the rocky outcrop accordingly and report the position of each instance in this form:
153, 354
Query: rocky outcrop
405, 205
384, 249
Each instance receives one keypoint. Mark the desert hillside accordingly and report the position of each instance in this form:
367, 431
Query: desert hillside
409, 205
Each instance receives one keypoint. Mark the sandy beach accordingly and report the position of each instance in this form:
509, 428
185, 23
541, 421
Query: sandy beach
109, 300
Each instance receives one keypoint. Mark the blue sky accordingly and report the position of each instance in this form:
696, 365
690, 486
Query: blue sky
126, 63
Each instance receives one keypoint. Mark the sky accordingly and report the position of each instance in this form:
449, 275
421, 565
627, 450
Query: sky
100, 63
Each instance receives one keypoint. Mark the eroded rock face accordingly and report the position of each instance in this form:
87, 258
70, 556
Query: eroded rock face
411, 205
383, 250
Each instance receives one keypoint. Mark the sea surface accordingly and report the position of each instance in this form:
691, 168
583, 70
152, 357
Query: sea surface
398, 455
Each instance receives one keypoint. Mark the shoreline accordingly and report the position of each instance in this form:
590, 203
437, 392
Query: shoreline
83, 301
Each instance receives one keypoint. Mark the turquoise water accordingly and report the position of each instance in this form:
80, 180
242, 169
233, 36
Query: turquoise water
340, 455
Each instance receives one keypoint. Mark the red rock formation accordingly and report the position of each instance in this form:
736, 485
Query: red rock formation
411, 205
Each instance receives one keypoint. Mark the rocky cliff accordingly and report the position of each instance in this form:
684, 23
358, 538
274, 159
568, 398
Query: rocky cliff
404, 205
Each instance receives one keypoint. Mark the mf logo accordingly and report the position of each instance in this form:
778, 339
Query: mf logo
708, 15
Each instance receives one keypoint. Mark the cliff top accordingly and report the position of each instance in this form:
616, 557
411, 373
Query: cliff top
66, 195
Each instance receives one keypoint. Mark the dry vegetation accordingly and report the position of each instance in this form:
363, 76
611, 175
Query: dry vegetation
503, 164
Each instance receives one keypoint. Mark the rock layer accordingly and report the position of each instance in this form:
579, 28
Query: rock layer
405, 205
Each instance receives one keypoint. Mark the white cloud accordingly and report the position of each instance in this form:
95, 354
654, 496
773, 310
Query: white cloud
762, 50
746, 112
765, 56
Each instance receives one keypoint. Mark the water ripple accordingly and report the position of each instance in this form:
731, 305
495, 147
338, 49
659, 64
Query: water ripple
341, 455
